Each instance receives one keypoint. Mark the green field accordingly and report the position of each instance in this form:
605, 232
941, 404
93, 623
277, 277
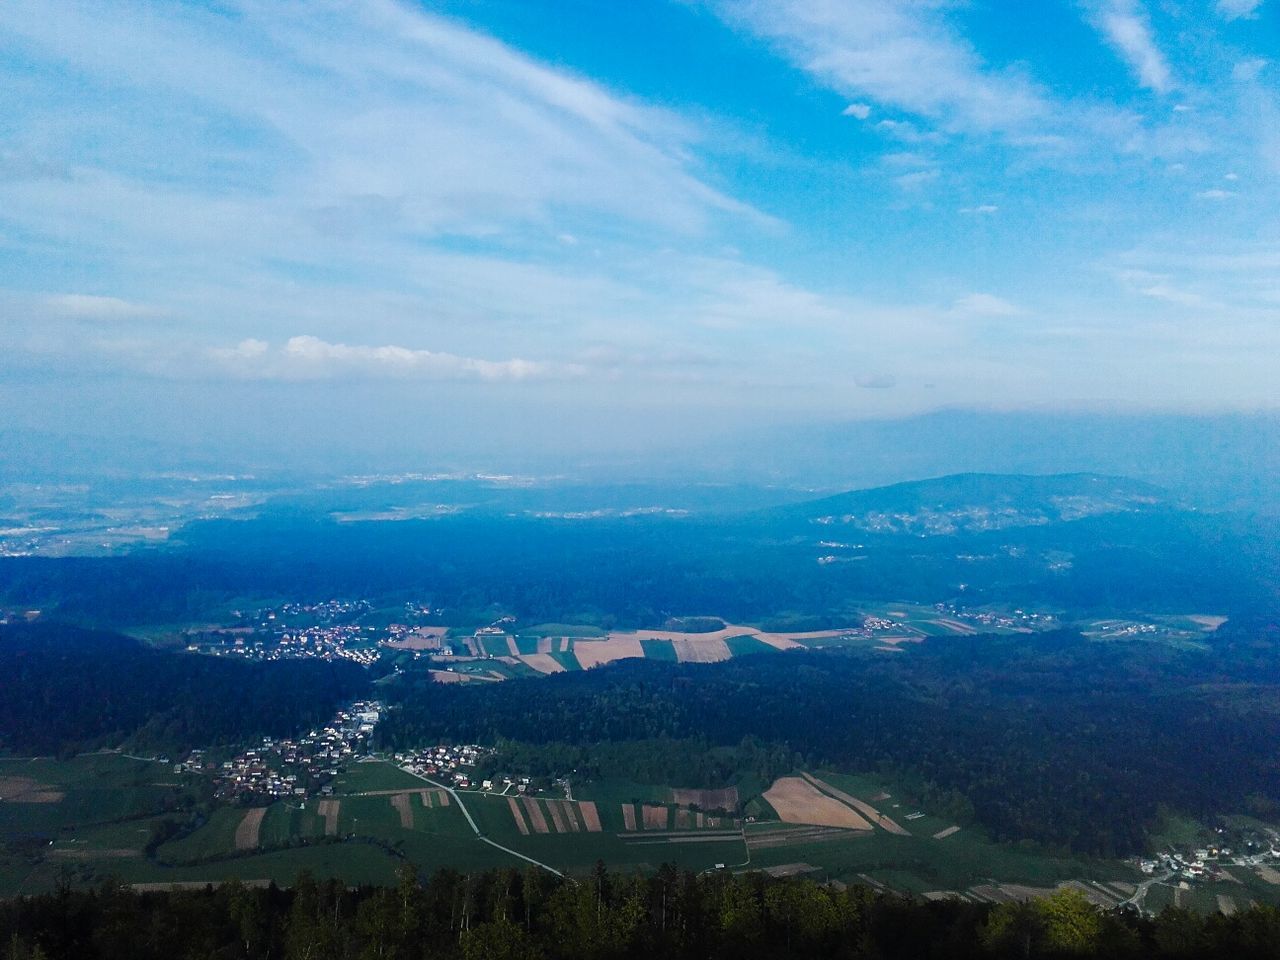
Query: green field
577, 853
94, 788
746, 644
369, 775
377, 833
658, 650
562, 630
613, 792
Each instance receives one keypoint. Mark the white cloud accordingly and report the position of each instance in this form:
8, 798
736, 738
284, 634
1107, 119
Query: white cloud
86, 306
1215, 194
382, 116
859, 110
981, 210
1235, 9
310, 358
902, 55
1247, 71
984, 305
1126, 26
918, 180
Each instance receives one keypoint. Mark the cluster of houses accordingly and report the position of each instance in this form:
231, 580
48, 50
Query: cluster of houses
871, 624
325, 611
1206, 863
985, 618
273, 639
453, 763
302, 767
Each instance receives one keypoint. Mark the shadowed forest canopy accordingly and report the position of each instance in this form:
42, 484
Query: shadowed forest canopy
71, 689
527, 915
1074, 744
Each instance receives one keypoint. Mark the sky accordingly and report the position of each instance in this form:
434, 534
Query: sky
557, 224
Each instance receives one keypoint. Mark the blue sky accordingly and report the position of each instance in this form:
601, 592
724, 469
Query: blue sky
652, 215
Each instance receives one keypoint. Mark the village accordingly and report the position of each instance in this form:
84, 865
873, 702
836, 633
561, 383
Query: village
322, 630
303, 767
309, 766
1210, 863
454, 764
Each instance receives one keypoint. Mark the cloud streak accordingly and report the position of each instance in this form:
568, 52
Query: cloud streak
1127, 28
902, 55
1237, 9
310, 358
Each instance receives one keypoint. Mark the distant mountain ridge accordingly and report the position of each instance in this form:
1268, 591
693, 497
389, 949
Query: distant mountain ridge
978, 502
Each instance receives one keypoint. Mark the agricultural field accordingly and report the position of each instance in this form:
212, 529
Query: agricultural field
41, 796
572, 835
371, 776
852, 828
1185, 631
556, 647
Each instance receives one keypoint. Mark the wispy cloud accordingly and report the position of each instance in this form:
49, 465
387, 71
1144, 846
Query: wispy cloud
87, 306
1127, 28
382, 116
1236, 9
984, 305
310, 358
901, 55
1249, 70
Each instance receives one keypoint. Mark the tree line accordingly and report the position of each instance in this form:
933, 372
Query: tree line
67, 689
513, 915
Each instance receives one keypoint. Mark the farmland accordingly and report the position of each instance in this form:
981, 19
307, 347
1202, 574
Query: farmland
557, 647
822, 823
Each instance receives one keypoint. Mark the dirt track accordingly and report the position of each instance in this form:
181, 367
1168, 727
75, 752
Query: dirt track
26, 790
329, 810
798, 801
401, 802
543, 662
655, 818
536, 817
517, 816
249, 828
724, 799
590, 816
618, 646
866, 809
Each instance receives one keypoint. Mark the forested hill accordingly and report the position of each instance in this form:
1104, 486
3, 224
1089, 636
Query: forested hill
974, 502
1049, 737
65, 688
666, 915
1078, 543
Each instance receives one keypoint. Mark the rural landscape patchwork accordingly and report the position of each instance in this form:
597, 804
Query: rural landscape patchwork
651, 480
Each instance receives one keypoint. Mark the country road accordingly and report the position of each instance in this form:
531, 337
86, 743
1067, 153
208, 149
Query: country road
1140, 894
470, 820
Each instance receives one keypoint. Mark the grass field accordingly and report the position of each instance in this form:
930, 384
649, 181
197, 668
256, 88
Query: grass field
747, 644
367, 776
561, 630
658, 650
612, 792
920, 864
374, 836
93, 788
215, 839
577, 852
